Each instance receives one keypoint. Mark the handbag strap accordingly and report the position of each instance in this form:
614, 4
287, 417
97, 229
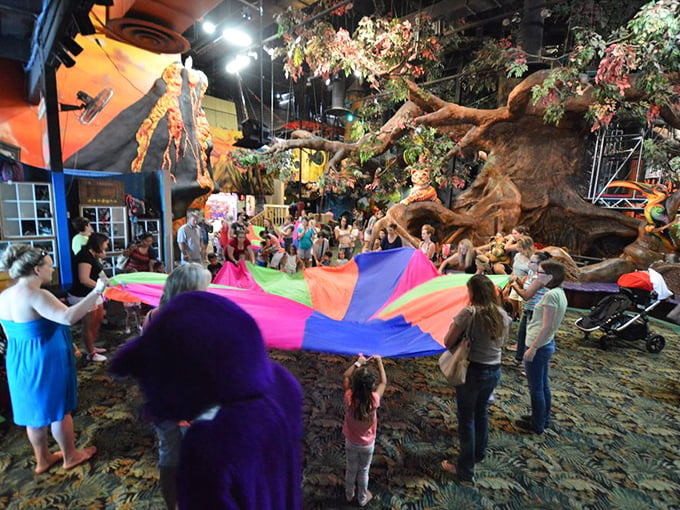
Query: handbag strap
469, 326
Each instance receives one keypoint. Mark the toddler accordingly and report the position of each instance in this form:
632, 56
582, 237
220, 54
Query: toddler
342, 258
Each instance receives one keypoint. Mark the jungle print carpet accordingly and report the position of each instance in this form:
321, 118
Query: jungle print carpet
615, 442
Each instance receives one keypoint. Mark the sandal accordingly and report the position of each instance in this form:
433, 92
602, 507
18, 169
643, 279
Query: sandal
449, 467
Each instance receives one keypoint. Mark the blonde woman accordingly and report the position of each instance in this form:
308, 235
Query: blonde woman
427, 245
520, 270
463, 259
41, 371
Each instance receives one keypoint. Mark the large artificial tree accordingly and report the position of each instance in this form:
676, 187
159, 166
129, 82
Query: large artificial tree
533, 143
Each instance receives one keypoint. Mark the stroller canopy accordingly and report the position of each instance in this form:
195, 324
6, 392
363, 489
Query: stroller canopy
648, 280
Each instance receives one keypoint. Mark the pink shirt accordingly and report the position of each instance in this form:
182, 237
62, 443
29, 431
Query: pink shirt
360, 432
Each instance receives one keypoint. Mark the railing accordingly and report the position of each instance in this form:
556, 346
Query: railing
277, 214
258, 219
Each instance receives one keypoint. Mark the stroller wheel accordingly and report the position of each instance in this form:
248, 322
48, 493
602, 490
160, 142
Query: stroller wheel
655, 343
604, 343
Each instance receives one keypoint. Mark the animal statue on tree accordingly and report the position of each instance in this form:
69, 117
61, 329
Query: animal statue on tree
535, 140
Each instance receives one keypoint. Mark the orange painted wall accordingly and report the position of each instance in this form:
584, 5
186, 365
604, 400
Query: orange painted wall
104, 62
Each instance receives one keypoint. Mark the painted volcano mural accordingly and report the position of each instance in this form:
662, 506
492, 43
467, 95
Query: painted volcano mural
164, 130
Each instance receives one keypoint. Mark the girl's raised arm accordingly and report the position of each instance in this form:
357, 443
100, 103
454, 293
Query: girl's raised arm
383, 376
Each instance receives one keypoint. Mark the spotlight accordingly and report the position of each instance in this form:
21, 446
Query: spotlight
71, 46
350, 117
239, 63
208, 27
245, 14
236, 37
82, 19
63, 57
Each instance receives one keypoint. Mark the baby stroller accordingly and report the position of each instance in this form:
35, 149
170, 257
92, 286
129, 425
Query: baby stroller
624, 315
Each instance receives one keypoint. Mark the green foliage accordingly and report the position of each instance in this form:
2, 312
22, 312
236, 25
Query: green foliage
662, 156
277, 164
642, 55
608, 54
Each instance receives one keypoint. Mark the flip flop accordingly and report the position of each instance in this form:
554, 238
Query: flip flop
57, 457
449, 467
88, 453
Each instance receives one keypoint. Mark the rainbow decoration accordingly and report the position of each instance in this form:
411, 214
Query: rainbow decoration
391, 303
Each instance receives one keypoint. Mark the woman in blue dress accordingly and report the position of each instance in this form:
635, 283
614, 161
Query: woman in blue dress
40, 362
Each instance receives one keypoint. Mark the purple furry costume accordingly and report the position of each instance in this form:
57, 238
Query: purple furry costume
202, 351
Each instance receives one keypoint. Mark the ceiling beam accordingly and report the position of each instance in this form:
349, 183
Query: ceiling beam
51, 27
15, 49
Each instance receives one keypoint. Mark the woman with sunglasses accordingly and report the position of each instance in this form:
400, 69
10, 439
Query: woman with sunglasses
41, 370
540, 339
531, 290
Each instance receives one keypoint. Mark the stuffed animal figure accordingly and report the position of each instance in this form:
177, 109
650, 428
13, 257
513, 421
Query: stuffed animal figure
204, 353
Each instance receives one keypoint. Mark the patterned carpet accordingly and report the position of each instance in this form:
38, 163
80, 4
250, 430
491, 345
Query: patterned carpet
615, 443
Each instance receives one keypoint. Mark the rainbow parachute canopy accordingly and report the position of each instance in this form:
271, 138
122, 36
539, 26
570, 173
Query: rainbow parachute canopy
390, 303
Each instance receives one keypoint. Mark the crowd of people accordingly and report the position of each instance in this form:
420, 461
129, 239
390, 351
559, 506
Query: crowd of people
201, 388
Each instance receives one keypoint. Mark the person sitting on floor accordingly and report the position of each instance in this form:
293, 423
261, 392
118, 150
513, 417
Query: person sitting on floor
463, 259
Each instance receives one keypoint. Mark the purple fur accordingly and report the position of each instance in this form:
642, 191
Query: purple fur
201, 351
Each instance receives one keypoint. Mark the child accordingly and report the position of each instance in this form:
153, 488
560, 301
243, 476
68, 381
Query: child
133, 314
342, 258
213, 266
262, 254
291, 263
159, 267
326, 259
362, 399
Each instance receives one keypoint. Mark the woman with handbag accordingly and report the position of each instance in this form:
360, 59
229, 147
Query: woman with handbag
486, 326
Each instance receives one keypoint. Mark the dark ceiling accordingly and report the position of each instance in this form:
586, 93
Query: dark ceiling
210, 53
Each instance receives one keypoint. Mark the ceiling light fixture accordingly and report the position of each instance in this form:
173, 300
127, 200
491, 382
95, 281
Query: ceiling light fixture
239, 63
236, 37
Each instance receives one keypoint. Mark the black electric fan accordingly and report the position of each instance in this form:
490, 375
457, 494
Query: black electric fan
90, 106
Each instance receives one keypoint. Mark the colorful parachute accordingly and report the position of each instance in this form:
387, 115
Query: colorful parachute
391, 303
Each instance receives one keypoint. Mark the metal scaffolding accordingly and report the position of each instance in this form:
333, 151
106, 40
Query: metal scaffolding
617, 156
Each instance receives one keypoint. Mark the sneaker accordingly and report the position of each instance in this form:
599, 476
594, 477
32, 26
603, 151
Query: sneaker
99, 350
527, 417
96, 357
526, 426
450, 468
491, 399
127, 331
512, 348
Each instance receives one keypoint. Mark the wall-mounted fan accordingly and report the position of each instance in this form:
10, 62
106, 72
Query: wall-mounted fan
91, 106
